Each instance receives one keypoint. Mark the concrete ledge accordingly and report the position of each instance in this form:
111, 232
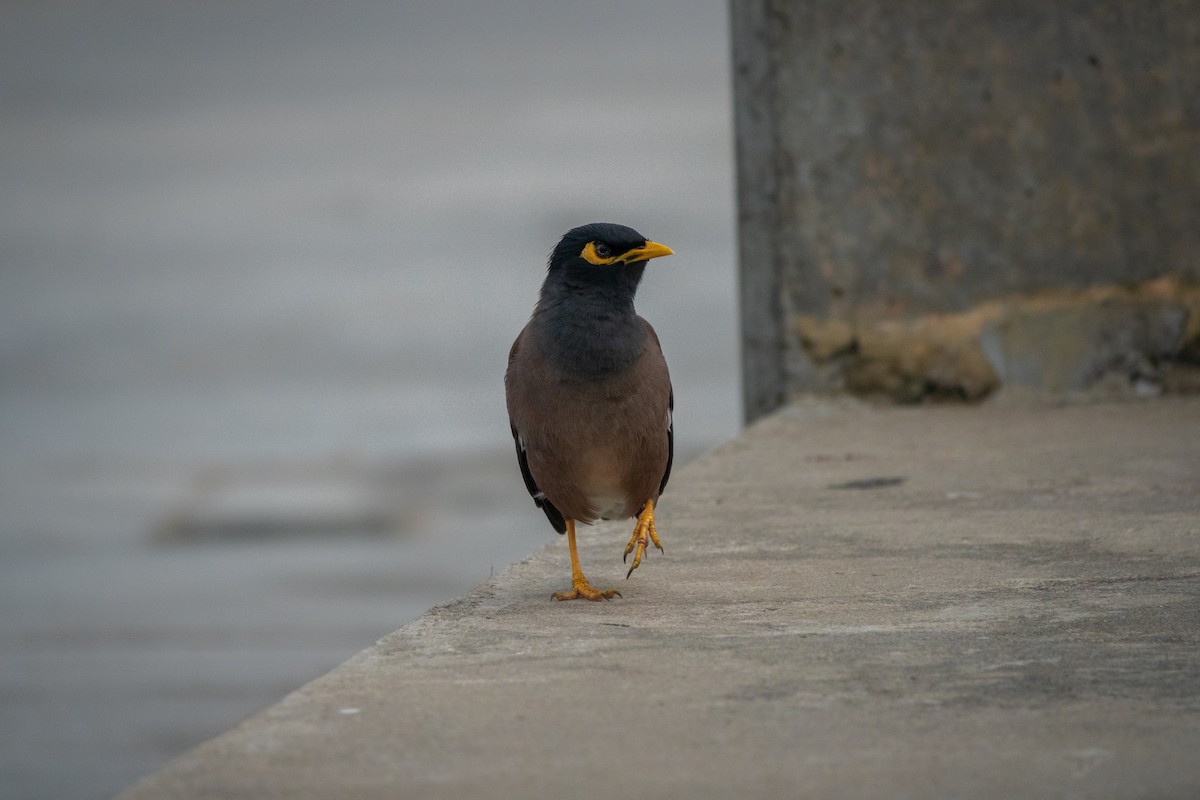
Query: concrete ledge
854, 602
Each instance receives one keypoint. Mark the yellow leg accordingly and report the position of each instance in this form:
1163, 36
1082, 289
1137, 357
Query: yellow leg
581, 589
643, 533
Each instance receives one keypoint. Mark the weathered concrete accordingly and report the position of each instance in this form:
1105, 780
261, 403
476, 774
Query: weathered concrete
1133, 340
926, 602
900, 159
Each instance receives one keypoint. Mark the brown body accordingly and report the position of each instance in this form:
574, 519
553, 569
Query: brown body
603, 464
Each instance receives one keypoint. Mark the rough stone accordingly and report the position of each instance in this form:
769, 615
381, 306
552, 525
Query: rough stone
1112, 339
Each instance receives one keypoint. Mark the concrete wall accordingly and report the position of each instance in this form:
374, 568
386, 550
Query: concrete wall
945, 197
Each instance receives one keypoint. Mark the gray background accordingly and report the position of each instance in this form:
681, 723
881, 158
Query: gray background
260, 266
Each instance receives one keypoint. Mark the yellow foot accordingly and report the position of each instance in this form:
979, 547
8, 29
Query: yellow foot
643, 533
581, 589
585, 591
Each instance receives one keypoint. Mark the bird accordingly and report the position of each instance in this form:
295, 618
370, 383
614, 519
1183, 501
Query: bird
589, 396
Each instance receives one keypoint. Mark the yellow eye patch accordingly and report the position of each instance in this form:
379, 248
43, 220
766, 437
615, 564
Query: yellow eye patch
590, 255
646, 252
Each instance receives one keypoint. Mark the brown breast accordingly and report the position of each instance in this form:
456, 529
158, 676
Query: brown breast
597, 447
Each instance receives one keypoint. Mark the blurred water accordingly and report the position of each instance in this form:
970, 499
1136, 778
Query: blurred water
260, 266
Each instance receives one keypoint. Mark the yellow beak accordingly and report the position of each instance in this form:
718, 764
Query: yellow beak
644, 253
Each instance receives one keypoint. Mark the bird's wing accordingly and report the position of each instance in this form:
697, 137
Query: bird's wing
670, 442
670, 412
553, 514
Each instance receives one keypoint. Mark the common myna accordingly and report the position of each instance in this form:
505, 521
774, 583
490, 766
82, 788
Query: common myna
589, 396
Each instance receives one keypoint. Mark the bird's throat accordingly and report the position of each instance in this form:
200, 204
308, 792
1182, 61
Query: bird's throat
589, 338
585, 323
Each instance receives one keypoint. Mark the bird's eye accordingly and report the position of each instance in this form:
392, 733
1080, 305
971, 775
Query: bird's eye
602, 250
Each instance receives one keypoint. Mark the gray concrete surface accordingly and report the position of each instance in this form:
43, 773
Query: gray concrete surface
854, 602
904, 158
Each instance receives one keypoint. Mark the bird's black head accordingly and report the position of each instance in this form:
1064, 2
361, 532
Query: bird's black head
602, 247
584, 321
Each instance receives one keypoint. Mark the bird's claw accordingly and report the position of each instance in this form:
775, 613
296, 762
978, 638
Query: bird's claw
643, 533
586, 591
637, 559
